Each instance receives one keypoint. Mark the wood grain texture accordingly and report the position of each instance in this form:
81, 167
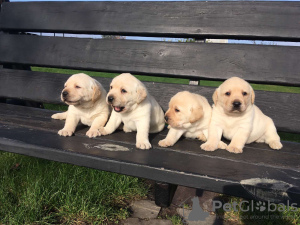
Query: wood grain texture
237, 20
32, 132
257, 63
283, 108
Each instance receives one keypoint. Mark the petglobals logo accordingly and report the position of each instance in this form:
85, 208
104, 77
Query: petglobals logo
251, 206
265, 210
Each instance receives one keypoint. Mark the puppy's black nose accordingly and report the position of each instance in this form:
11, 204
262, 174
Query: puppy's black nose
166, 118
236, 104
110, 98
65, 94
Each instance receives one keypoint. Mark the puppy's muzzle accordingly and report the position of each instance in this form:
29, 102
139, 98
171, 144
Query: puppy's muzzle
110, 99
65, 94
166, 118
236, 104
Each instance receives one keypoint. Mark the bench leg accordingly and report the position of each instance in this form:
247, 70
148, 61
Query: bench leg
164, 193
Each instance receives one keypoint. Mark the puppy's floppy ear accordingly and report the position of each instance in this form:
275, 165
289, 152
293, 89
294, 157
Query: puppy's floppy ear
196, 113
96, 91
215, 96
252, 95
141, 93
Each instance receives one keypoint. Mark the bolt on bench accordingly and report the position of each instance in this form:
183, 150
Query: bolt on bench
259, 173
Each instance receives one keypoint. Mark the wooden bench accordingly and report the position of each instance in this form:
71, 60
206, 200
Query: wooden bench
259, 173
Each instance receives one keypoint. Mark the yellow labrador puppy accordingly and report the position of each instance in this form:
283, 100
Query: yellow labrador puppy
238, 119
86, 99
189, 115
135, 107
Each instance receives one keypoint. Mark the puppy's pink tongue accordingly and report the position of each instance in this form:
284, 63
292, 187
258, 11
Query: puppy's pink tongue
118, 109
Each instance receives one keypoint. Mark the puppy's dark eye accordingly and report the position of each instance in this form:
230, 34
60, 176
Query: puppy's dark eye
245, 93
123, 91
110, 87
77, 87
227, 93
177, 110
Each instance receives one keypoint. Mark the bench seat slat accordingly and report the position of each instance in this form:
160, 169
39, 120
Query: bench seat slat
219, 171
262, 64
283, 108
237, 20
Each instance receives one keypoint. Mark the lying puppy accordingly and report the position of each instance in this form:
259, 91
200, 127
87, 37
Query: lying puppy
86, 99
189, 115
238, 119
135, 107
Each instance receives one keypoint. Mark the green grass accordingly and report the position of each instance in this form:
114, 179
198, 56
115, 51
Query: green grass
35, 191
56, 107
176, 220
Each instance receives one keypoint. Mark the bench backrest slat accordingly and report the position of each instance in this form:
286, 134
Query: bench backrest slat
23, 84
271, 64
258, 63
237, 20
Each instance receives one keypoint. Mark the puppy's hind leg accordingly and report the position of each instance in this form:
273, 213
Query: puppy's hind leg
126, 129
202, 137
271, 136
60, 116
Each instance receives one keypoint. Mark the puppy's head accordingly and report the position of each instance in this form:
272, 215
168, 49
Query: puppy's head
80, 88
235, 95
184, 108
125, 93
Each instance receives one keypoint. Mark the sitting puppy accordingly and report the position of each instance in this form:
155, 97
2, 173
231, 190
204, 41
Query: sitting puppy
135, 107
238, 119
189, 115
86, 99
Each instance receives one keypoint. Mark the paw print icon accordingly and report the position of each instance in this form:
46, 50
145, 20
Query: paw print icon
261, 206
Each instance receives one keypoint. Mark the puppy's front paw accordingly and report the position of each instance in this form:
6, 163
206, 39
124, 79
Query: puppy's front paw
165, 143
143, 144
222, 145
102, 131
202, 137
93, 133
275, 145
65, 133
57, 116
234, 149
208, 147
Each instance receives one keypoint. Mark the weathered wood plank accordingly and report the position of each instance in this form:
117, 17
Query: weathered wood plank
46, 87
263, 64
237, 20
219, 171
